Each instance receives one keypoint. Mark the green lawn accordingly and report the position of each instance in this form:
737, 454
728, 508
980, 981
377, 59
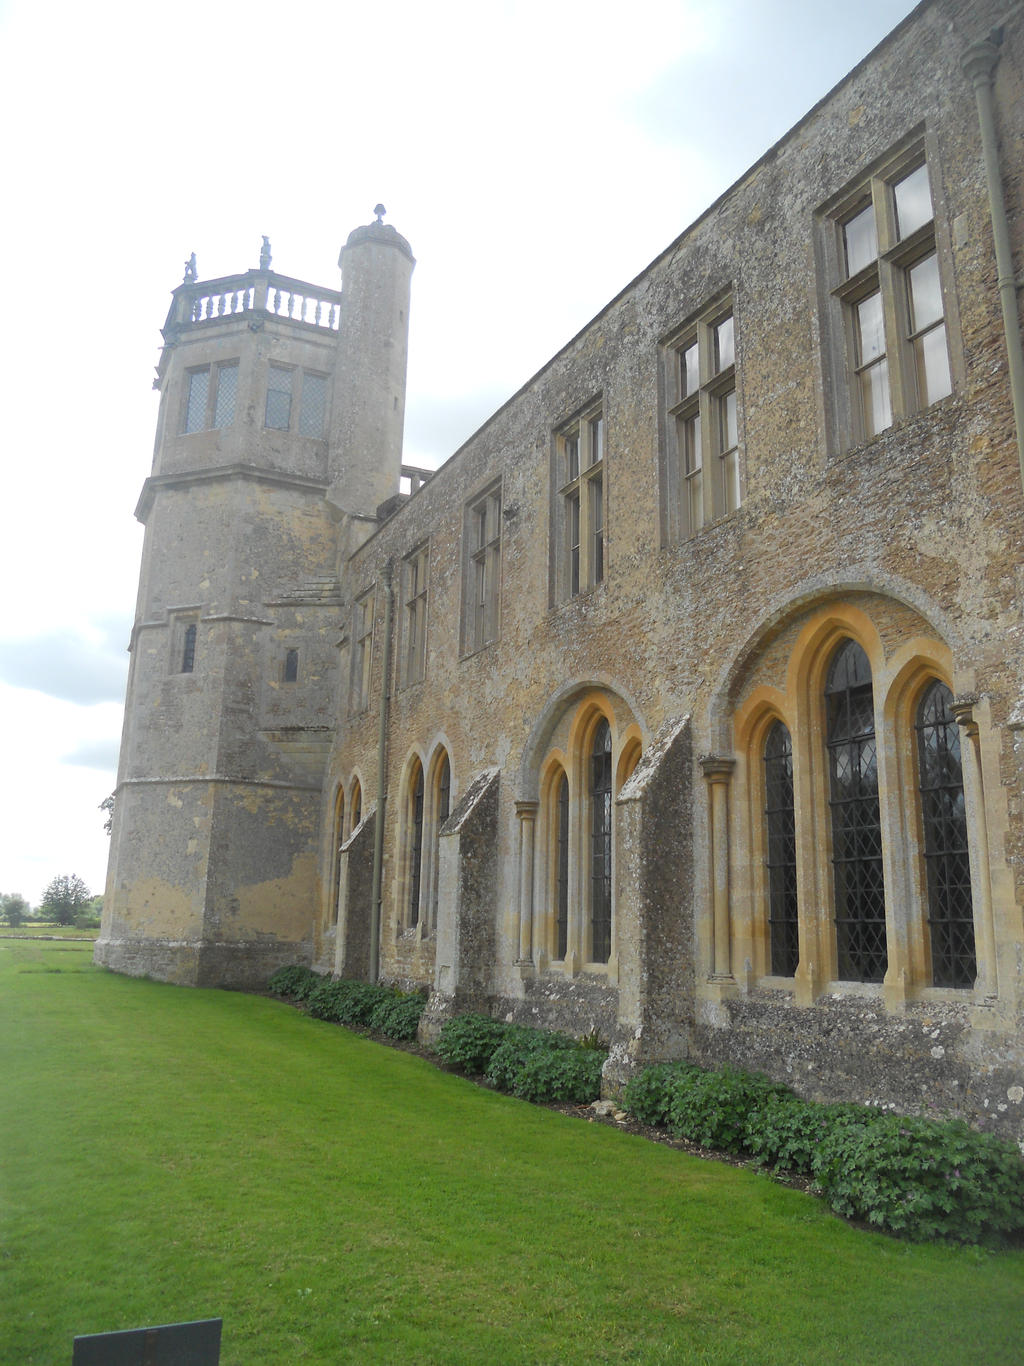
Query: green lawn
171, 1154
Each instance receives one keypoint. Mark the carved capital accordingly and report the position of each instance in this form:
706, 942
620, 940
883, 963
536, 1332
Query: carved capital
717, 768
963, 712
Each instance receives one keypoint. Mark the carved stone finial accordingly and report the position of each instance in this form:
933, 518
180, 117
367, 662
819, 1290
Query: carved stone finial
190, 270
265, 253
380, 211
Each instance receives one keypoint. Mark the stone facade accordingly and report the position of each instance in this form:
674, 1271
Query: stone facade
684, 702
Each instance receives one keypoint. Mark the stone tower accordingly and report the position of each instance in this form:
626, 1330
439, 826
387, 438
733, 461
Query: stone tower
279, 433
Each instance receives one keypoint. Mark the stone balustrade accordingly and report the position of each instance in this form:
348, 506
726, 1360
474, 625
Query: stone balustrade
203, 301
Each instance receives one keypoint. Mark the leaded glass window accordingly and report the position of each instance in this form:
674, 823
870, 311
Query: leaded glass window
780, 830
856, 824
279, 398
188, 649
944, 821
601, 844
441, 813
313, 406
227, 389
198, 393
415, 843
562, 867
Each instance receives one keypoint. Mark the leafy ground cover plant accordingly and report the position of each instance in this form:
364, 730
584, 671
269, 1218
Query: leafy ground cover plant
347, 1002
509, 1058
542, 1065
569, 1075
923, 1179
648, 1095
398, 1015
469, 1041
785, 1132
295, 981
711, 1108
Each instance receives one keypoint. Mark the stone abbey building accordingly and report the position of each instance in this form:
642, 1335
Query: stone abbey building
686, 700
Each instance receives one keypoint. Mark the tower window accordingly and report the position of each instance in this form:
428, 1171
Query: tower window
313, 405
210, 398
188, 649
279, 398
291, 666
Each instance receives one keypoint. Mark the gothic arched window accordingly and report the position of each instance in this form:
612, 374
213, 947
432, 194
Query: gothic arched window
562, 867
601, 844
944, 824
856, 824
780, 851
415, 841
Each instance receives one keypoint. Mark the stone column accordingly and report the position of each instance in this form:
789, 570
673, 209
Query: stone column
526, 813
718, 774
963, 711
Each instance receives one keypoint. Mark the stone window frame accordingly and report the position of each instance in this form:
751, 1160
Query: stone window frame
214, 408
290, 661
567, 853
307, 402
338, 837
579, 512
415, 607
899, 683
421, 816
482, 564
701, 475
886, 276
363, 622
184, 641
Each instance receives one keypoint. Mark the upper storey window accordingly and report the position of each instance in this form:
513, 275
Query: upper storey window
296, 399
210, 397
414, 593
701, 476
579, 457
482, 571
895, 343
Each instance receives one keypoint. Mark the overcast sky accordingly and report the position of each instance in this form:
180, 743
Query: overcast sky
536, 153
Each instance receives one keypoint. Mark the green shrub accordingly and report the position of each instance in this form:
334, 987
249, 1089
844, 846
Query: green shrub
519, 1043
398, 1016
294, 980
648, 1095
923, 1179
560, 1074
346, 1002
711, 1108
468, 1041
785, 1132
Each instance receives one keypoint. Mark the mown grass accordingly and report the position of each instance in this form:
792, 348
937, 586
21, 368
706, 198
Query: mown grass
171, 1154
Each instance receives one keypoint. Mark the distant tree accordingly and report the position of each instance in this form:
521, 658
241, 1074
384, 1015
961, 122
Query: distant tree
14, 908
64, 899
107, 805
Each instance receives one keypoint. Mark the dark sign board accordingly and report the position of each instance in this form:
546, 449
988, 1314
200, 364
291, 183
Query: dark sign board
172, 1344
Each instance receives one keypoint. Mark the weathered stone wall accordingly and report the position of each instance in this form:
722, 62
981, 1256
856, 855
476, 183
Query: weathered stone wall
917, 529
